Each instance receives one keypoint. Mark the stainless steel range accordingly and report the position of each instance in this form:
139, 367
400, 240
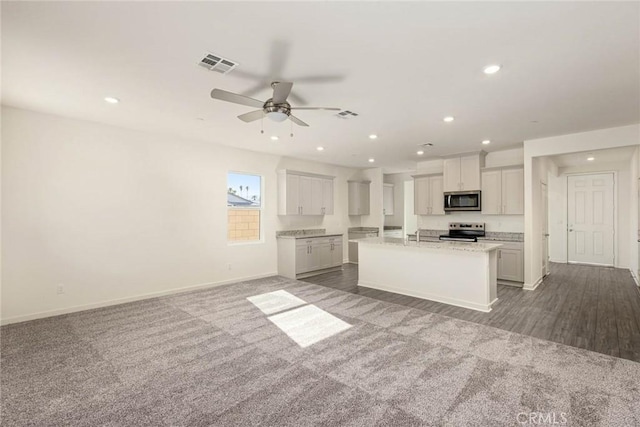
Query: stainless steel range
464, 231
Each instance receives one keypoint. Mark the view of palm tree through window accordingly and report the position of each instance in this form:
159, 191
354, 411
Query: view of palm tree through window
244, 202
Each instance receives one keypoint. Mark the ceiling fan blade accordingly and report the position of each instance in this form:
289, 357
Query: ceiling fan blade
317, 108
251, 116
297, 121
281, 91
223, 95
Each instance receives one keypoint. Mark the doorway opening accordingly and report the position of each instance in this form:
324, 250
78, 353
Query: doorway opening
591, 219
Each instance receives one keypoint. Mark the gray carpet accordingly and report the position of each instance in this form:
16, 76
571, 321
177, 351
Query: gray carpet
211, 357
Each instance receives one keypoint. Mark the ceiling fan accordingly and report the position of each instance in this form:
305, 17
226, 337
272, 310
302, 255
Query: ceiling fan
276, 108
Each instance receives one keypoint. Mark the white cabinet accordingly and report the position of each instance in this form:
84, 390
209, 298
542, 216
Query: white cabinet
462, 173
359, 197
308, 256
304, 194
503, 191
511, 262
387, 199
428, 195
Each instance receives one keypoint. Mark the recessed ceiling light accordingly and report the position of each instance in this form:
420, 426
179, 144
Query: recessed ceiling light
486, 142
111, 100
419, 152
591, 159
371, 160
274, 138
448, 119
373, 136
320, 148
491, 69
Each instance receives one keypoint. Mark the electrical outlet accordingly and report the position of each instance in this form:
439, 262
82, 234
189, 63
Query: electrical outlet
60, 289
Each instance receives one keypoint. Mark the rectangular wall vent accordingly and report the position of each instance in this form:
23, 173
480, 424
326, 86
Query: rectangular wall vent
345, 114
217, 63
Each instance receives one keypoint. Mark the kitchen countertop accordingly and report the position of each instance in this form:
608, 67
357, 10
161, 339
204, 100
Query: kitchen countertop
310, 236
429, 238
439, 245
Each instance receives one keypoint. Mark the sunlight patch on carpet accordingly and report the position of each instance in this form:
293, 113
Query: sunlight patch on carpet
308, 325
275, 302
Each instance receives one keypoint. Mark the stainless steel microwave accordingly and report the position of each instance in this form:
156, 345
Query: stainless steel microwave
462, 201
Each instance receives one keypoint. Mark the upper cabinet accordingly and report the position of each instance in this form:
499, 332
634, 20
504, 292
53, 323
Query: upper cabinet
428, 197
301, 193
462, 173
503, 191
387, 199
359, 197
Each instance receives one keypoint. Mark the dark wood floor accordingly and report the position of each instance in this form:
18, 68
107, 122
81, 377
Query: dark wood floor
596, 308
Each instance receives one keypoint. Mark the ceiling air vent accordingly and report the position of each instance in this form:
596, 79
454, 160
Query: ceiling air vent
345, 114
217, 63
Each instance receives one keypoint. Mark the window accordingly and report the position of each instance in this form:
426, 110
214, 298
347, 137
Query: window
244, 206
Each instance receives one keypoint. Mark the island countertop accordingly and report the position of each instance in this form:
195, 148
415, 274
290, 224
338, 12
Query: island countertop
310, 236
439, 245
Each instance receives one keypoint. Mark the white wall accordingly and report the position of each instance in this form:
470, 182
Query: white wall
634, 214
398, 180
376, 215
537, 168
114, 214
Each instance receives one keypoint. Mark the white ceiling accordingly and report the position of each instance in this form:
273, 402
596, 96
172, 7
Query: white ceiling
600, 157
567, 67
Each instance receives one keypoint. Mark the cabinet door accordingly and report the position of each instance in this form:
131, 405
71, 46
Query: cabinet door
436, 195
292, 192
336, 253
306, 198
387, 199
491, 196
510, 265
470, 173
364, 198
317, 198
451, 174
512, 191
327, 196
314, 259
421, 196
302, 253
354, 198
324, 253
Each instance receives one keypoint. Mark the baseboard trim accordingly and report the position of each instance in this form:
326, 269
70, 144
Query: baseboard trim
635, 277
528, 287
84, 307
451, 301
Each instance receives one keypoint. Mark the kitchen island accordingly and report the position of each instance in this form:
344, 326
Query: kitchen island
457, 273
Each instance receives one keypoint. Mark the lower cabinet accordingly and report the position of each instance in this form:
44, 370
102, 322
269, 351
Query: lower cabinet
511, 262
308, 256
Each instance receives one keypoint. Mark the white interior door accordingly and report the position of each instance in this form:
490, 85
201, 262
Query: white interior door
545, 228
590, 219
